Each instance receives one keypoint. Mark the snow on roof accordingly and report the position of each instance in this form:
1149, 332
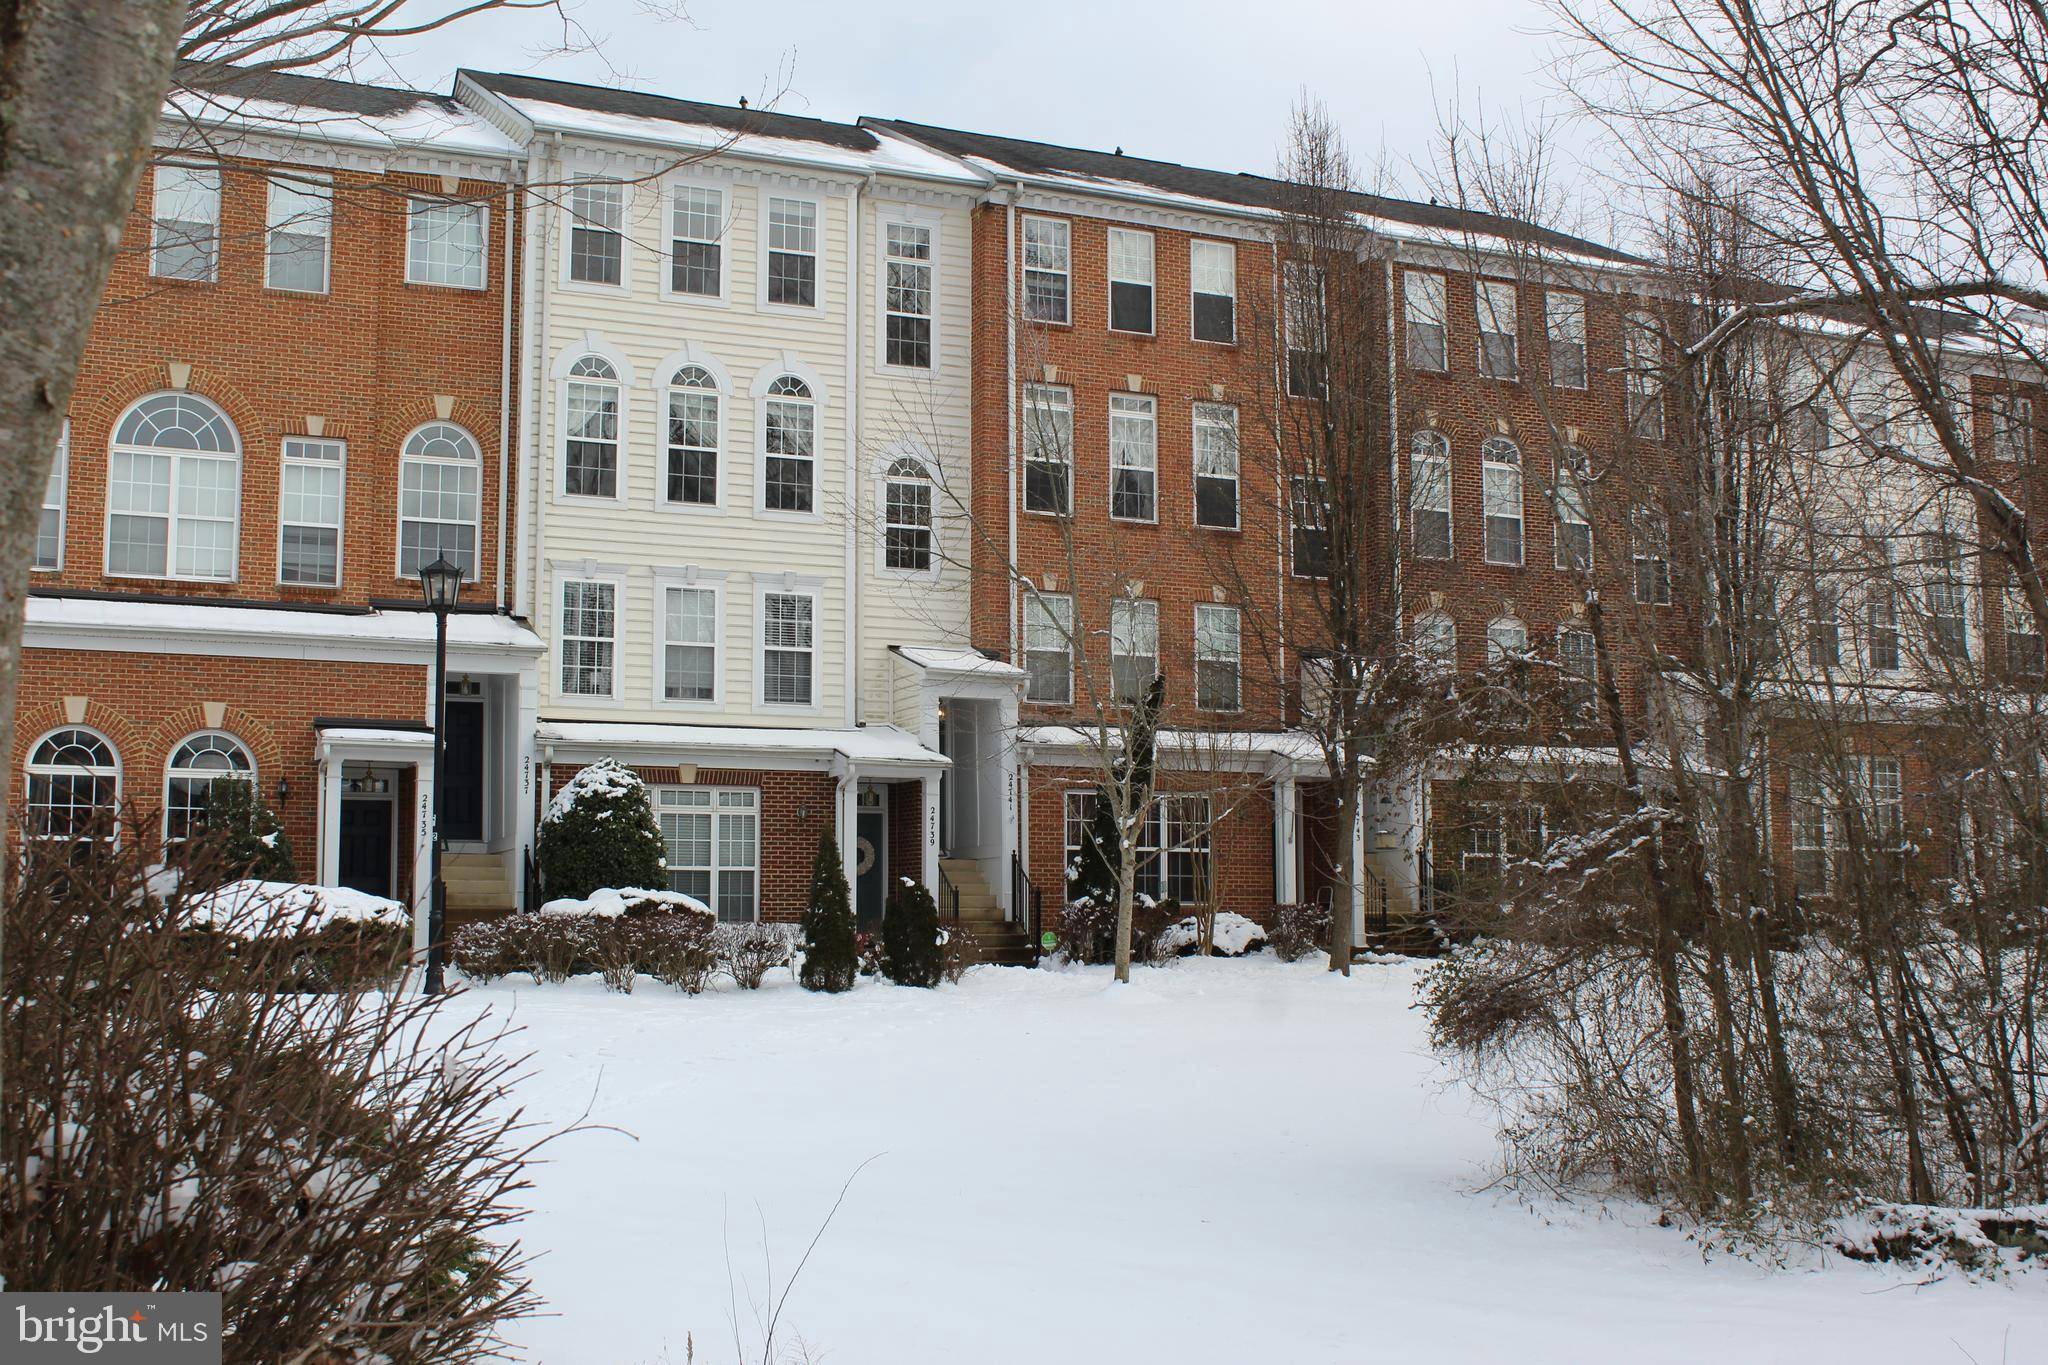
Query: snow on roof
377, 734
1297, 747
862, 744
155, 619
970, 662
379, 117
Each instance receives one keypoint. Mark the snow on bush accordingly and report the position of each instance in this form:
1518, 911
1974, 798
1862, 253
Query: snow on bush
600, 832
609, 902
1976, 1241
1235, 936
251, 909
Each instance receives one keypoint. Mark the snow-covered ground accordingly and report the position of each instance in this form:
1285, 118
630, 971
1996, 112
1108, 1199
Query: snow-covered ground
1225, 1161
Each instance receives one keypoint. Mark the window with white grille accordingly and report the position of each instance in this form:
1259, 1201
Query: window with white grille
1048, 648
589, 641
1500, 472
1429, 494
185, 226
1048, 449
711, 841
1216, 466
1133, 457
309, 507
788, 648
1133, 646
1130, 281
1047, 269
299, 223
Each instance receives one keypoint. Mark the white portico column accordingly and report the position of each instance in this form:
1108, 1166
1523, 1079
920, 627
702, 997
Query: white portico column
329, 873
1286, 833
422, 851
1358, 875
928, 788
845, 817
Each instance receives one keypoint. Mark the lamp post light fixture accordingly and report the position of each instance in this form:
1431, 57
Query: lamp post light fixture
441, 584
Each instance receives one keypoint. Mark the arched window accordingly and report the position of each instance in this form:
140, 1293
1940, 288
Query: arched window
174, 490
74, 780
1436, 645
440, 484
590, 410
1506, 638
789, 428
692, 437
1429, 494
907, 516
1500, 469
195, 766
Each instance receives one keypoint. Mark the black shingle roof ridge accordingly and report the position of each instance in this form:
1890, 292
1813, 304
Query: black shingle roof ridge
639, 104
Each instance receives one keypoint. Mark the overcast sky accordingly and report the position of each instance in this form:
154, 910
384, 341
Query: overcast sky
1195, 81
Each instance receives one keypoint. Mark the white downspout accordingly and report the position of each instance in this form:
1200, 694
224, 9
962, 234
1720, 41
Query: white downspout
857, 227
1014, 628
514, 179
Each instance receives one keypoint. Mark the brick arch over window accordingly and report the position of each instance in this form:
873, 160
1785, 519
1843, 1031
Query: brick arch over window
50, 715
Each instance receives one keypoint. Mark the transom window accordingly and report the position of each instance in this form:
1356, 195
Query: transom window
1497, 330
793, 252
907, 516
1424, 302
696, 241
692, 437
1133, 646
1216, 465
444, 243
185, 231
788, 648
1046, 267
173, 491
590, 412
195, 766
1048, 449
790, 430
1212, 271
689, 666
309, 504
907, 296
1218, 657
1574, 547
589, 643
597, 241
439, 491
299, 220
712, 839
1048, 648
1564, 320
74, 785
1501, 491
50, 529
1130, 280
1429, 495
1133, 457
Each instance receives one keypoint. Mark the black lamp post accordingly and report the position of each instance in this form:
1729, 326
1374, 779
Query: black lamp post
441, 582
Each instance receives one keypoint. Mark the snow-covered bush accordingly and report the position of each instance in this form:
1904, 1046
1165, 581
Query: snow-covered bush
680, 949
328, 937
1299, 930
1234, 936
598, 832
343, 1168
959, 953
911, 952
830, 953
1979, 1242
1087, 931
748, 952
617, 934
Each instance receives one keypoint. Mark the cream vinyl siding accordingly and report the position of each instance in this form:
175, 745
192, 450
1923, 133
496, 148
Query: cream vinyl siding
648, 332
926, 413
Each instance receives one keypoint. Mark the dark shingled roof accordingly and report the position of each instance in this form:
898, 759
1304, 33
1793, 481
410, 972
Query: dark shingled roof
307, 92
633, 104
1251, 191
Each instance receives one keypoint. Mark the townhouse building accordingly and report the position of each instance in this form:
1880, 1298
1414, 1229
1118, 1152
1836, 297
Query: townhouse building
295, 393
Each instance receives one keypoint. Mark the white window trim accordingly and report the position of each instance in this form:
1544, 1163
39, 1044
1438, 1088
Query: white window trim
1427, 624
398, 540
1496, 652
901, 451
929, 222
616, 578
1577, 478
1136, 607
1294, 525
1067, 646
590, 344
307, 182
170, 573
699, 581
718, 814
788, 364
1229, 246
763, 251
1442, 321
1237, 659
690, 354
60, 469
1110, 417
567, 247
483, 246
284, 460
30, 769
1585, 343
1481, 289
1195, 474
1024, 270
220, 194
164, 810
814, 590
729, 210
1111, 281
1519, 466
1024, 451
1441, 451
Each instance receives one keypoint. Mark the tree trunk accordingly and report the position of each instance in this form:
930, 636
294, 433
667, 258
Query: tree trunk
1126, 874
1348, 871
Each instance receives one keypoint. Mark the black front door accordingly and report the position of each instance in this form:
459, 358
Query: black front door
871, 865
465, 775
366, 845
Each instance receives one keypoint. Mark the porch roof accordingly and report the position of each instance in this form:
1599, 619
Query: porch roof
1239, 749
958, 662
177, 627
866, 746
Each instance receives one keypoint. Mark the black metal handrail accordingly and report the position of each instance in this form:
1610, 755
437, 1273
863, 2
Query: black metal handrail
529, 884
949, 896
1027, 904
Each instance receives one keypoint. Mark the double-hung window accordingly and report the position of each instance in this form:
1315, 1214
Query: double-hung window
1498, 358
173, 491
788, 648
907, 516
792, 252
1506, 640
1650, 532
1429, 494
444, 243
185, 231
1824, 640
1948, 595
597, 238
1130, 281
1133, 457
1436, 645
1574, 547
1643, 378
1301, 317
1577, 673
1218, 657
2024, 653
1216, 466
1810, 813
1564, 319
1172, 848
1500, 479
309, 506
50, 529
1048, 648
693, 428
1309, 526
711, 839
1880, 797
590, 637
697, 241
440, 475
1047, 267
1881, 632
1048, 449
1212, 270
689, 643
590, 455
2012, 427
789, 431
1133, 646
299, 223
907, 296
1424, 306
